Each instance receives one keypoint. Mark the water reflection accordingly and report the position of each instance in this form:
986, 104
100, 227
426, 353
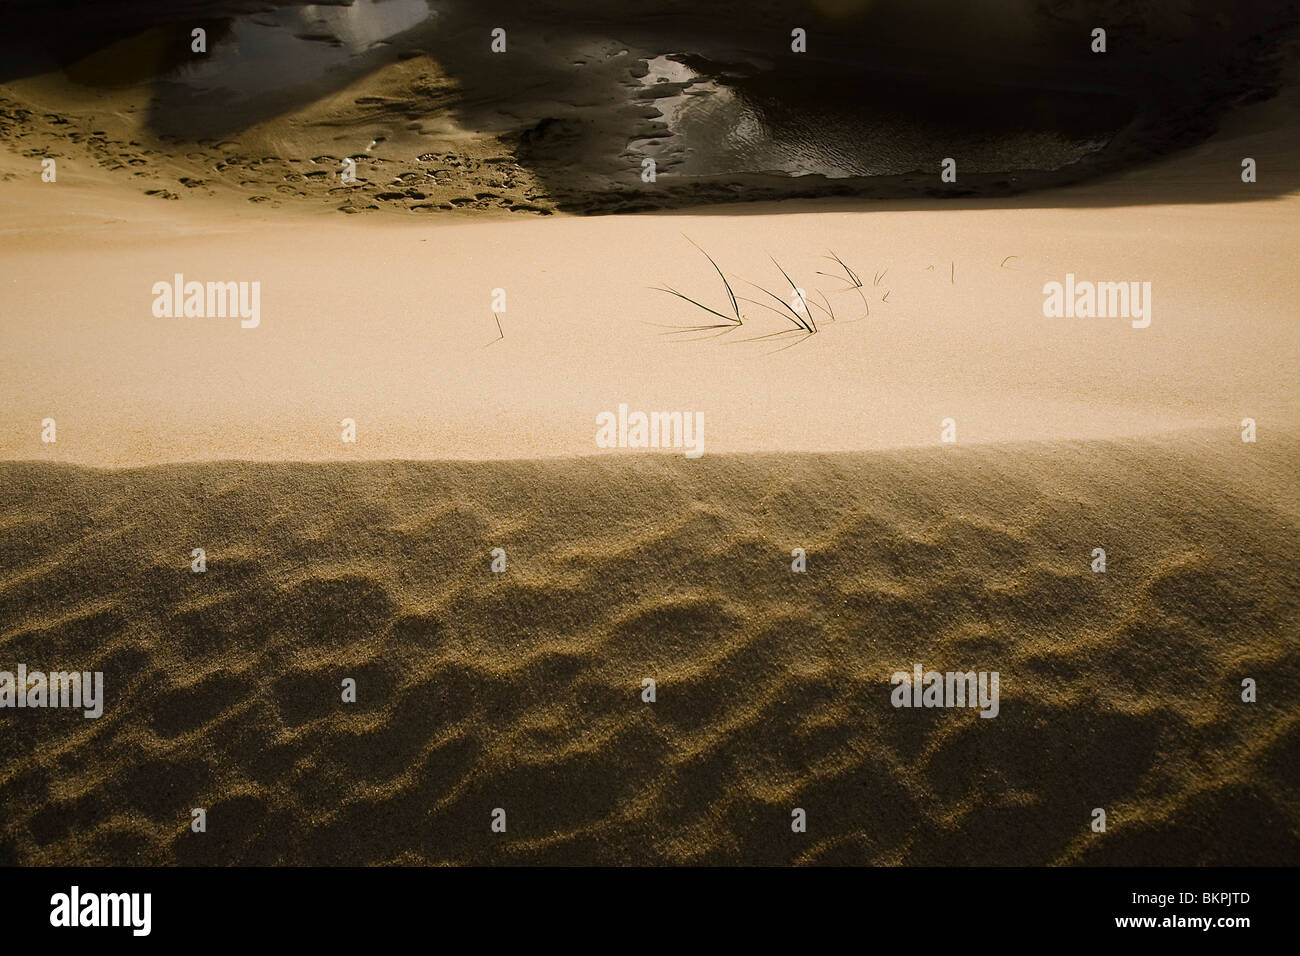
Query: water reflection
716, 121
264, 53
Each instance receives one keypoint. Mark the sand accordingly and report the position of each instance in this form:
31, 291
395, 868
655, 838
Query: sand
438, 123
394, 328
389, 320
522, 690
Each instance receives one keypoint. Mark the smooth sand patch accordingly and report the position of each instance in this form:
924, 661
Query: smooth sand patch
390, 324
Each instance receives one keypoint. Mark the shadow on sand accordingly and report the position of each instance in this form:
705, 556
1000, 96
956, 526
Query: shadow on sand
717, 100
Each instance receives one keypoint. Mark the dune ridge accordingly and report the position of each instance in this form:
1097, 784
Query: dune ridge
522, 690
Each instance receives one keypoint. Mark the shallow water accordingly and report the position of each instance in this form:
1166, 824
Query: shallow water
265, 52
714, 125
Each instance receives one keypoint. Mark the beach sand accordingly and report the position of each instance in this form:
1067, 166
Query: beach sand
522, 690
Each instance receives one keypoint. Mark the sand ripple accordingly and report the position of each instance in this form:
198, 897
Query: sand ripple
522, 690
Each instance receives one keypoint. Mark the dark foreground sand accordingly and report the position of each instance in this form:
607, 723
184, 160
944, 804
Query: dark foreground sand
522, 690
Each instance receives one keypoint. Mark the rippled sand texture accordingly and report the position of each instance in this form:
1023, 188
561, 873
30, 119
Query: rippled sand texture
522, 690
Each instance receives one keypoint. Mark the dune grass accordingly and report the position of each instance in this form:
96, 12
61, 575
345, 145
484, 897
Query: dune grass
797, 311
729, 322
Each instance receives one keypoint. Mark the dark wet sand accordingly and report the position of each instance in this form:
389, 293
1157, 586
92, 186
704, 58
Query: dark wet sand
563, 121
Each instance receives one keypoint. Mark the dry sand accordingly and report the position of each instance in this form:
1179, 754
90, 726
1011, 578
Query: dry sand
388, 320
522, 690
391, 325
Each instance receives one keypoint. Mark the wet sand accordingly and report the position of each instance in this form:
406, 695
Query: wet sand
568, 114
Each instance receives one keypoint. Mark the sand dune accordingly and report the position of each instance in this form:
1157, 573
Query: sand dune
392, 326
522, 690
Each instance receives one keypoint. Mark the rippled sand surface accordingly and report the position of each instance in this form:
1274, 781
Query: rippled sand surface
523, 690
